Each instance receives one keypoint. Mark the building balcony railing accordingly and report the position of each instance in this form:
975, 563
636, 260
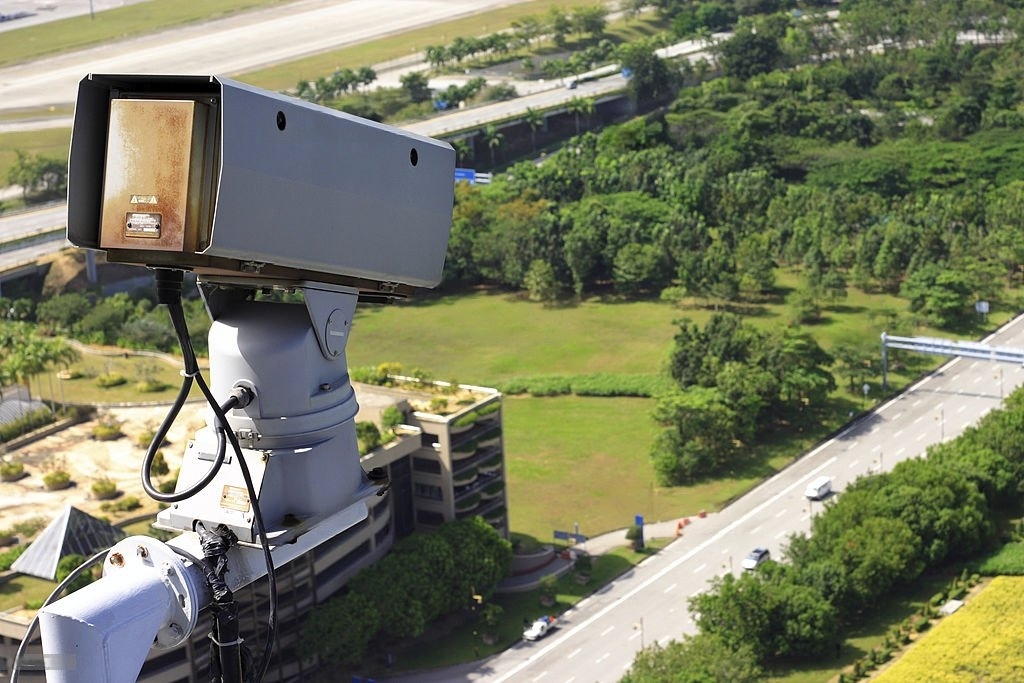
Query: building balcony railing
465, 450
482, 457
481, 482
465, 477
468, 503
492, 489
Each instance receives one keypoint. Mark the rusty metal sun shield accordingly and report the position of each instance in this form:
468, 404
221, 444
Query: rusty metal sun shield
211, 175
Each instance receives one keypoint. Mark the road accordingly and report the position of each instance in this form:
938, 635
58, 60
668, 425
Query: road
18, 225
597, 640
231, 45
42, 11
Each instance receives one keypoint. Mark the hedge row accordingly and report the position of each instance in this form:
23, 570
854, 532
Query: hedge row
599, 384
25, 424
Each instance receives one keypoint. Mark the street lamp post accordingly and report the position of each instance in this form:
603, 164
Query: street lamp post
641, 627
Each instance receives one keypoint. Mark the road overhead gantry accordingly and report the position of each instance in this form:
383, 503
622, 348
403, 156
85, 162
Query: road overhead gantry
947, 347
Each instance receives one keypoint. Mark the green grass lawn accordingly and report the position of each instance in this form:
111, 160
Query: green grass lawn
487, 336
84, 390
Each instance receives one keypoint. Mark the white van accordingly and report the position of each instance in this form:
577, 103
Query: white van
819, 488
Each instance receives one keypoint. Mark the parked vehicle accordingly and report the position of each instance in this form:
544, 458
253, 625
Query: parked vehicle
756, 558
539, 628
819, 488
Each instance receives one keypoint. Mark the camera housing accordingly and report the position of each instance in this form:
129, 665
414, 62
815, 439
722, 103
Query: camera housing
207, 174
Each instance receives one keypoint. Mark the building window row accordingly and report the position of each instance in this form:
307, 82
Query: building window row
428, 491
428, 465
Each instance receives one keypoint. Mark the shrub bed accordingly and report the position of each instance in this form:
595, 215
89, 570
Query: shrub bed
12, 471
104, 489
112, 379
56, 480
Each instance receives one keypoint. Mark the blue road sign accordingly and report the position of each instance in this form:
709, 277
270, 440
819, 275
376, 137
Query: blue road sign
638, 520
467, 174
562, 535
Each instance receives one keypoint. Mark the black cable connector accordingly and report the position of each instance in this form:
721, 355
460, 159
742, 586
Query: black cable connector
229, 657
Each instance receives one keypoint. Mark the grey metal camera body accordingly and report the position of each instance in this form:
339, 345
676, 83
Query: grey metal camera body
207, 174
250, 190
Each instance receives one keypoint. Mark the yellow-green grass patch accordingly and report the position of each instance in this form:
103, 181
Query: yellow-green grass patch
980, 642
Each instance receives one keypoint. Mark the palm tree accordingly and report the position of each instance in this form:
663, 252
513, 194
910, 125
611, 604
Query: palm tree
365, 76
462, 149
59, 352
534, 119
493, 139
581, 105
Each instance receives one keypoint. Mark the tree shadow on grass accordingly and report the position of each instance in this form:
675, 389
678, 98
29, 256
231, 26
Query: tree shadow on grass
845, 309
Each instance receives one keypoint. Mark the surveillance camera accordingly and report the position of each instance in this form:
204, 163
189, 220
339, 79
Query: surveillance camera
206, 174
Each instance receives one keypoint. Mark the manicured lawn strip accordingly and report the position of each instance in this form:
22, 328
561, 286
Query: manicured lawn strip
981, 642
36, 113
862, 638
32, 42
